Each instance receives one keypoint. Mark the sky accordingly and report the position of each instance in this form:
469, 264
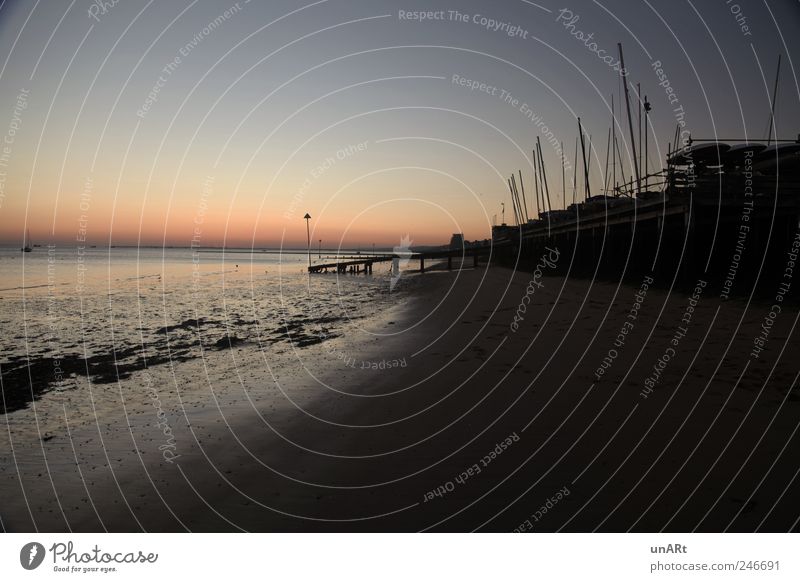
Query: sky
224, 123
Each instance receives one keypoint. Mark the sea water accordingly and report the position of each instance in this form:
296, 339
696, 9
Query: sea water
103, 314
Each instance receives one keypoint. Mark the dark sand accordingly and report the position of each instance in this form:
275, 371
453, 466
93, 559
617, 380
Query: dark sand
713, 447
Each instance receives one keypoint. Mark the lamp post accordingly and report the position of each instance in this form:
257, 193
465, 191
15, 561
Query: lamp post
319, 250
308, 235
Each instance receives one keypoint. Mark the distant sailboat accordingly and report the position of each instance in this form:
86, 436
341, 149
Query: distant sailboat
26, 244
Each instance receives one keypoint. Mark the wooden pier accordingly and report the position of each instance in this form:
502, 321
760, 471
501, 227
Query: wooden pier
349, 265
364, 265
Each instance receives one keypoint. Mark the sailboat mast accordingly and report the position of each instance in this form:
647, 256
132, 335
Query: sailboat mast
639, 100
589, 170
613, 146
516, 199
605, 174
624, 74
544, 173
621, 165
563, 180
575, 172
646, 128
513, 203
539, 206
585, 166
772, 105
524, 203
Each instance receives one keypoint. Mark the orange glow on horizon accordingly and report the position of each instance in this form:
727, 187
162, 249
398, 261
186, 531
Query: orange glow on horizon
185, 227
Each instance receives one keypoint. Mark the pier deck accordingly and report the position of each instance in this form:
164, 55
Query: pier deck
364, 265
350, 265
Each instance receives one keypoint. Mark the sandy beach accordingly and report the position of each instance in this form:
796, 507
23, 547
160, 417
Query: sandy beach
483, 399
327, 275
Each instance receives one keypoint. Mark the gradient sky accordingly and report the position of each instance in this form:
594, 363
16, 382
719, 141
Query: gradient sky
261, 119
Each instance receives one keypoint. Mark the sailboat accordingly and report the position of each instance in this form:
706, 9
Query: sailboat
26, 244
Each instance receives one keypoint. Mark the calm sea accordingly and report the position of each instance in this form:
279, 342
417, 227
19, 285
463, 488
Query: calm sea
106, 313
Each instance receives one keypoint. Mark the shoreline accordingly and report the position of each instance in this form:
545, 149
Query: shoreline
415, 447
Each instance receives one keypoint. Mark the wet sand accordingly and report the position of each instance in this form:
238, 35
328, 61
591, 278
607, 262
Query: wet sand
444, 416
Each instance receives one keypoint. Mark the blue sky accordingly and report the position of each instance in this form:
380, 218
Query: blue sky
264, 93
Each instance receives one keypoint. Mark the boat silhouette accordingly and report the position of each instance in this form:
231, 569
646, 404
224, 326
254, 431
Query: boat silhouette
26, 244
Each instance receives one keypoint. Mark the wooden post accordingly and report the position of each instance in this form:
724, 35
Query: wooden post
422, 264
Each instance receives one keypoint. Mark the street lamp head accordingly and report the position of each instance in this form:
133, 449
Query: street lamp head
307, 216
